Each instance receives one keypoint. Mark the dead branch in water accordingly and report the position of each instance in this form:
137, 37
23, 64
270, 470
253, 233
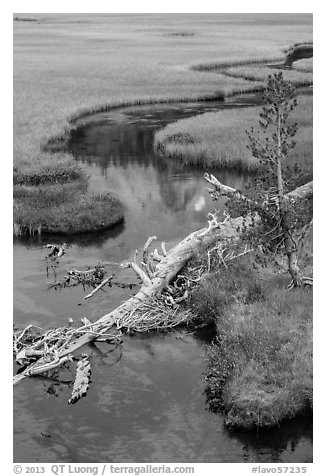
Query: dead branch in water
149, 308
93, 277
100, 286
82, 380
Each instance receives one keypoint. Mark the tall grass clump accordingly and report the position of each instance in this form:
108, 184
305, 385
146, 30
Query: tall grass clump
260, 364
50, 195
64, 208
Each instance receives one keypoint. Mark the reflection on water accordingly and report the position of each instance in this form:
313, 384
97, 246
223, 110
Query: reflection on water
274, 446
147, 401
144, 405
96, 239
161, 197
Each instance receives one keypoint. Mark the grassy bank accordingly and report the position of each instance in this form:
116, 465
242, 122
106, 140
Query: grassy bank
222, 66
260, 363
304, 65
51, 196
51, 170
218, 139
261, 73
66, 65
64, 208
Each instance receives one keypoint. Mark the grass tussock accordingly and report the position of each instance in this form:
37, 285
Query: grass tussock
260, 365
50, 195
64, 208
218, 139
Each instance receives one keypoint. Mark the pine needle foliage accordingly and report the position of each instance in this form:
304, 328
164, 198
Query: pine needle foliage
271, 144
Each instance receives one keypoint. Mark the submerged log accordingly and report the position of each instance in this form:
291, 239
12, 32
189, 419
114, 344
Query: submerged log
153, 283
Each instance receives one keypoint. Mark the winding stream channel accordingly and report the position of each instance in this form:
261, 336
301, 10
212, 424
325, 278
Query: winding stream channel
146, 403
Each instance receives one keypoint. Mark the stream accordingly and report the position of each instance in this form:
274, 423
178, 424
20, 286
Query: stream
146, 402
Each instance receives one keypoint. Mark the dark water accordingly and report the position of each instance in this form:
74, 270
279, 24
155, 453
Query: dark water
298, 53
146, 402
161, 197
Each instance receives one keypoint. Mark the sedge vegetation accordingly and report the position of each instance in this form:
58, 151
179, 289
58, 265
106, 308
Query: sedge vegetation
305, 64
260, 363
67, 65
260, 73
218, 139
64, 208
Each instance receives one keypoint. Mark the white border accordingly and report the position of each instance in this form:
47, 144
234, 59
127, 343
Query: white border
95, 6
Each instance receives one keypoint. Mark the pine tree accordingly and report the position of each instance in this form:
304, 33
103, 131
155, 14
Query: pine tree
271, 145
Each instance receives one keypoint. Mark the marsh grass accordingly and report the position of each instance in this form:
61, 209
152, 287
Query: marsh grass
25, 19
46, 195
261, 73
51, 196
49, 169
218, 139
213, 140
182, 33
224, 65
63, 208
62, 66
260, 364
71, 66
304, 65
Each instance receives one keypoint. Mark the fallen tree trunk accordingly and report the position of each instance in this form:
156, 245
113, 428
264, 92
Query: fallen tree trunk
300, 193
221, 190
155, 278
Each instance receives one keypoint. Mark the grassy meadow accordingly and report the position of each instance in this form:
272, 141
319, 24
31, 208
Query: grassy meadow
66, 65
261, 73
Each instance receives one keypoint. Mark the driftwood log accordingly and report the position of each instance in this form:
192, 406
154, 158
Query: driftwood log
156, 275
